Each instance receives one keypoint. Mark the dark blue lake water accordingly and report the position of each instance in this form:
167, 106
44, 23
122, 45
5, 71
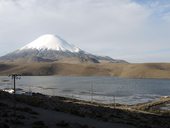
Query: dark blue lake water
99, 89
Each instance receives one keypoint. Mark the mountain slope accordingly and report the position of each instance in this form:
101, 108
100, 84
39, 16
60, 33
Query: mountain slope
150, 70
50, 48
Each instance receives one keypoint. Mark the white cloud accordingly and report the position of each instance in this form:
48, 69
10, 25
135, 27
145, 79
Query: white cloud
118, 28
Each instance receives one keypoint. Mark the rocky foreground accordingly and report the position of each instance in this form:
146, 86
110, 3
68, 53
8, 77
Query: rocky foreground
41, 111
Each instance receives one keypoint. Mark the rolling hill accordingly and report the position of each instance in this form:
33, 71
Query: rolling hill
147, 70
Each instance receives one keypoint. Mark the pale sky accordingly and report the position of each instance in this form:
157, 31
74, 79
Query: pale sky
133, 30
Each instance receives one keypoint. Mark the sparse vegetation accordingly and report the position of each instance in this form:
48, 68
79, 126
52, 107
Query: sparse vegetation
4, 125
62, 123
26, 109
39, 124
145, 115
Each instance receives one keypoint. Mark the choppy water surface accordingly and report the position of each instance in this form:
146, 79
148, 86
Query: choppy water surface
99, 89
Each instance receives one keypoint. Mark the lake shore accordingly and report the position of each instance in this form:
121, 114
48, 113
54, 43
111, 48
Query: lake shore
53, 111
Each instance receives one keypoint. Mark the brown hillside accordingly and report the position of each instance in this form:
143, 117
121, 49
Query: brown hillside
146, 70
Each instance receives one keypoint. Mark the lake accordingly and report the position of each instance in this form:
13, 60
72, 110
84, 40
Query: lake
98, 89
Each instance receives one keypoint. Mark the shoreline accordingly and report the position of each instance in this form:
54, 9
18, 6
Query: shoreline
97, 98
145, 115
112, 76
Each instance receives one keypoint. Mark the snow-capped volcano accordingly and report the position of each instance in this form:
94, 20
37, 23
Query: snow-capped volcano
50, 42
49, 48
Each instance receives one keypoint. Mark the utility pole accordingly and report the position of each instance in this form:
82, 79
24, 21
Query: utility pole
114, 101
14, 77
92, 92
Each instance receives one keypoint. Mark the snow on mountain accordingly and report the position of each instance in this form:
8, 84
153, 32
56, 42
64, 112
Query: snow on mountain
50, 42
49, 48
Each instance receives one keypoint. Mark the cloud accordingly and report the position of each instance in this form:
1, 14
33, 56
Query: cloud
122, 29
